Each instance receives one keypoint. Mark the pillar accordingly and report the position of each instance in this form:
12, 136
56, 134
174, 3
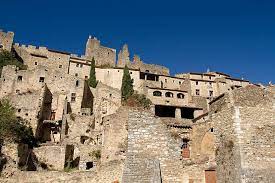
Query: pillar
178, 113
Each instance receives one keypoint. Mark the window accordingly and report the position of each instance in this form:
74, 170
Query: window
131, 72
197, 83
19, 78
179, 82
211, 93
81, 65
180, 95
211, 129
17, 91
41, 80
86, 77
35, 63
165, 80
210, 77
60, 66
210, 84
76, 74
73, 97
169, 94
157, 93
197, 92
147, 71
77, 83
77, 65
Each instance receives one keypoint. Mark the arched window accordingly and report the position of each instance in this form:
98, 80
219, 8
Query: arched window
157, 93
169, 94
180, 95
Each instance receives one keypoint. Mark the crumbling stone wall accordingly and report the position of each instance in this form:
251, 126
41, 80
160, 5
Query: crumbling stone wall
103, 56
149, 139
115, 135
6, 40
34, 57
244, 130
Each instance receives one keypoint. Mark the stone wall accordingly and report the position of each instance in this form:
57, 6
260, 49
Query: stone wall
34, 57
110, 172
115, 135
103, 56
244, 123
149, 139
6, 40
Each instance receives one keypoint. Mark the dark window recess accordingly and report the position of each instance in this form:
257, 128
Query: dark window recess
19, 78
17, 91
86, 77
83, 139
187, 113
197, 83
73, 97
157, 93
180, 95
41, 79
89, 165
197, 92
165, 111
77, 65
141, 75
169, 94
211, 129
19, 110
76, 74
77, 83
60, 66
35, 63
211, 93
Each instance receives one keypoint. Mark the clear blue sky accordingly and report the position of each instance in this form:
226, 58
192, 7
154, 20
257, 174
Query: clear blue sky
232, 36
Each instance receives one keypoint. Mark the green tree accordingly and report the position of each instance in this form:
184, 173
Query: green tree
127, 88
8, 58
13, 128
92, 80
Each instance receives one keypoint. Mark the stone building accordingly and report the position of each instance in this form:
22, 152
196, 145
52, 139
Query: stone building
200, 128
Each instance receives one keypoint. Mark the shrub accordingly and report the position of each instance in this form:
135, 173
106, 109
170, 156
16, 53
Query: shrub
138, 100
14, 128
8, 58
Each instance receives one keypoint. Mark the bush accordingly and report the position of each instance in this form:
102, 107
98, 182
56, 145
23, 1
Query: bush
96, 154
8, 58
138, 100
13, 128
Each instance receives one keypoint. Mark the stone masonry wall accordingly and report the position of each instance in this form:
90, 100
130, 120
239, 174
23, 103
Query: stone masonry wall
150, 141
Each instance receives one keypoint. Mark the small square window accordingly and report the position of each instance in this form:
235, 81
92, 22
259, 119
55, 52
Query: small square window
35, 63
41, 80
197, 92
60, 66
76, 74
19, 78
77, 65
73, 97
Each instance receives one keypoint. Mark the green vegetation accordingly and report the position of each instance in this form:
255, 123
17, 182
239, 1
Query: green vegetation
138, 100
13, 128
8, 58
96, 154
92, 80
127, 89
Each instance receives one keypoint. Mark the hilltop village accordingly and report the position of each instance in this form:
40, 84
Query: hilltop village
199, 127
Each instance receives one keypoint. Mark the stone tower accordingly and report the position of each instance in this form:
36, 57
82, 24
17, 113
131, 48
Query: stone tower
103, 56
123, 57
6, 40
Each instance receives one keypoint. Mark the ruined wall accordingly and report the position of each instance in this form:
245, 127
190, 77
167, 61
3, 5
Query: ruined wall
115, 135
244, 129
149, 140
110, 172
60, 85
6, 40
34, 57
103, 56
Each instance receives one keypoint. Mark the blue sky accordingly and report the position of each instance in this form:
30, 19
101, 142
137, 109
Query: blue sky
232, 36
